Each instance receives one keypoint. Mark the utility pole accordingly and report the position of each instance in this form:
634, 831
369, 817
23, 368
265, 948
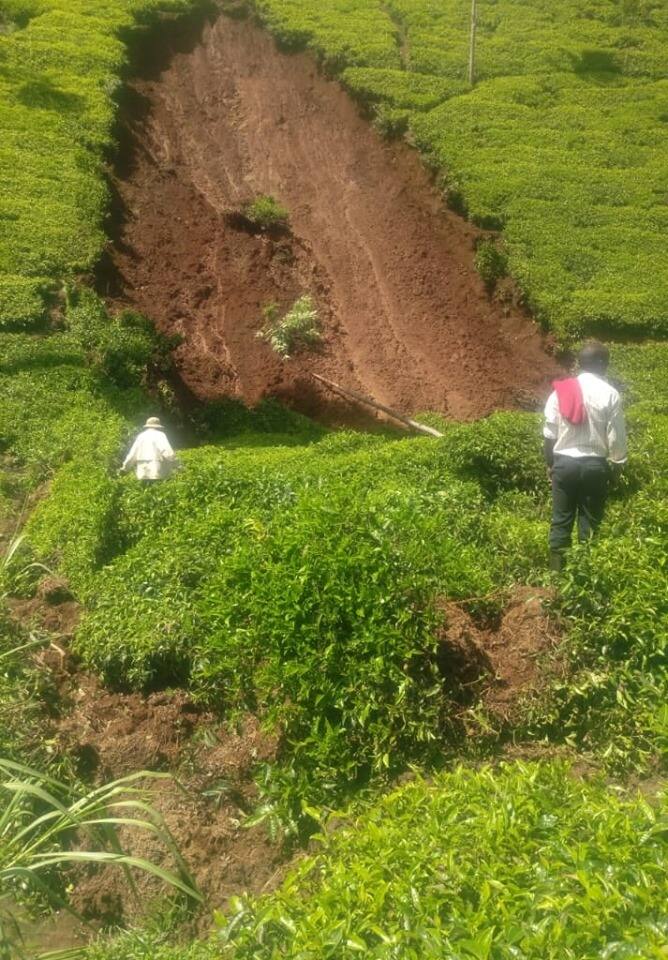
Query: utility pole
474, 24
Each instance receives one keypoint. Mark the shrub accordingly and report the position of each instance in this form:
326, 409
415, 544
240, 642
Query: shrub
120, 348
299, 327
522, 861
266, 213
491, 263
502, 452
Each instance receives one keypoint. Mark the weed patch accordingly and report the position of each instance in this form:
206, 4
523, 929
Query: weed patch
266, 213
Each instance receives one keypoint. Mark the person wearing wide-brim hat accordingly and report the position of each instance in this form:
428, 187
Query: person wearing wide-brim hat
151, 453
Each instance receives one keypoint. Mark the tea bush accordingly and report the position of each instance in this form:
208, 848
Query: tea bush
342, 32
61, 63
300, 583
521, 861
297, 574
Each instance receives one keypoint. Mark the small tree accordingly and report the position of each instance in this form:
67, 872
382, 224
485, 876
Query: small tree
299, 327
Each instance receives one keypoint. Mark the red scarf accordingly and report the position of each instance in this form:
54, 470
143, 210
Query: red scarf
571, 402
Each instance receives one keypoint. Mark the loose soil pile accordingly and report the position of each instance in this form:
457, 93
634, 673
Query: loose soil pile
226, 117
499, 664
204, 803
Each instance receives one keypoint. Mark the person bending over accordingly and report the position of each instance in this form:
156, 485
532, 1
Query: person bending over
584, 440
151, 453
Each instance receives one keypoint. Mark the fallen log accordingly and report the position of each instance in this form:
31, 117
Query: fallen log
360, 398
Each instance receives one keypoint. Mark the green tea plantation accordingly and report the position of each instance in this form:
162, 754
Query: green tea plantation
304, 576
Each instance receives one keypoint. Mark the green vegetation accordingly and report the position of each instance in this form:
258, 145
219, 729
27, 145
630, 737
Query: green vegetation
266, 212
491, 262
23, 691
523, 861
304, 582
43, 823
561, 144
61, 62
298, 328
301, 574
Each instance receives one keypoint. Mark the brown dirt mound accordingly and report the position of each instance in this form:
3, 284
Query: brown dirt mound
405, 315
505, 663
116, 734
204, 803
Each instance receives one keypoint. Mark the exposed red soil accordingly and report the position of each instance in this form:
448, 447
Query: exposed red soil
52, 609
204, 800
112, 735
503, 664
405, 315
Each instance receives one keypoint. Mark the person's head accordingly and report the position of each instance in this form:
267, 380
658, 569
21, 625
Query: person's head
153, 423
594, 357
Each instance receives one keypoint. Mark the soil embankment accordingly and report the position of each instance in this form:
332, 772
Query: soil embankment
405, 315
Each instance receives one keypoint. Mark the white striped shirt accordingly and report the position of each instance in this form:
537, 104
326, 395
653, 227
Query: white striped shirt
603, 433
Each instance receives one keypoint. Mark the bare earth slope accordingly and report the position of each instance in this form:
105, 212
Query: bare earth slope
406, 317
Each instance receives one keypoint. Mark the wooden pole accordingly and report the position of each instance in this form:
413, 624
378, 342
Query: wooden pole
472, 38
360, 398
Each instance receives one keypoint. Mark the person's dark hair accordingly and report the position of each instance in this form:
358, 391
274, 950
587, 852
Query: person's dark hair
594, 357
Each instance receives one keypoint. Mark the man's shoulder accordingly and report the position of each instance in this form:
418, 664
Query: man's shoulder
598, 386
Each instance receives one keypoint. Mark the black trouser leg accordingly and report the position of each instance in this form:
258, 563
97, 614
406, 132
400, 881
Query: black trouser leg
579, 486
592, 495
565, 476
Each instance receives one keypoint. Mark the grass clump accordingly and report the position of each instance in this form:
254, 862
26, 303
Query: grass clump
47, 826
296, 329
266, 213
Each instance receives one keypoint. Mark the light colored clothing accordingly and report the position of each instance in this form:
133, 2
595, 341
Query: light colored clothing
151, 454
603, 433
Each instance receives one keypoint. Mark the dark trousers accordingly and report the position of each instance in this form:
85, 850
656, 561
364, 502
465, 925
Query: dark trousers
579, 488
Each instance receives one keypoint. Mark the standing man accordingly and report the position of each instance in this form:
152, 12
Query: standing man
151, 453
584, 440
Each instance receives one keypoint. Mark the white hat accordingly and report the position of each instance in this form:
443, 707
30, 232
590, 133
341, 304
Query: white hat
153, 423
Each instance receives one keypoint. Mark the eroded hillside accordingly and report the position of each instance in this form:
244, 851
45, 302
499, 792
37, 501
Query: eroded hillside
406, 317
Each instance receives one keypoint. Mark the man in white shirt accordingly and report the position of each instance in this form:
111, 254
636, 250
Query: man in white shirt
584, 441
151, 453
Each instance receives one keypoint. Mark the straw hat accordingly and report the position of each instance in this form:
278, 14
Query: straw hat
153, 423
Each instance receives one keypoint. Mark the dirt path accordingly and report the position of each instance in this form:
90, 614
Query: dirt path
406, 317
